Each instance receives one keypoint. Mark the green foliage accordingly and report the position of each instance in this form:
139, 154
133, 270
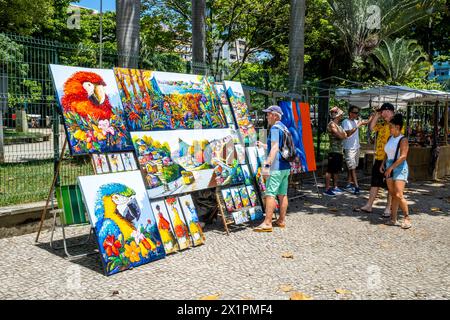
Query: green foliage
400, 60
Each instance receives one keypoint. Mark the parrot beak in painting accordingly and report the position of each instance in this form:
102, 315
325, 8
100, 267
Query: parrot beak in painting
96, 92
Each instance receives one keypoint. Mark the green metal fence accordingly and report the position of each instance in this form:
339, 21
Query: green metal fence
32, 133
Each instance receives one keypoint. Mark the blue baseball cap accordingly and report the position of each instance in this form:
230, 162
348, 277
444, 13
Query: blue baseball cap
274, 109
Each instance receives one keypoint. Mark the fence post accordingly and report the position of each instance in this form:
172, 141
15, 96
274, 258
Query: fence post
3, 108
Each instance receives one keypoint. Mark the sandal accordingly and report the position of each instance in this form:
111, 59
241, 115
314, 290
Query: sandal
262, 228
393, 223
279, 225
386, 215
406, 224
361, 210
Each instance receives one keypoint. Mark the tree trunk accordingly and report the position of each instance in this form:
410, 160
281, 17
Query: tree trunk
198, 36
296, 45
128, 27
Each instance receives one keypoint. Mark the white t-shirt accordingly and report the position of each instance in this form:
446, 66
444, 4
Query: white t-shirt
351, 142
391, 147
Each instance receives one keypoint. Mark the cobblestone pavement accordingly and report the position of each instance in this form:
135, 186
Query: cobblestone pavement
337, 254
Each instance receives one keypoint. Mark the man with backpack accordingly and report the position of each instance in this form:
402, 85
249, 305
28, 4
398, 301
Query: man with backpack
276, 168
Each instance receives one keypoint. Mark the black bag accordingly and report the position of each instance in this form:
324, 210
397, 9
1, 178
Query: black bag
287, 149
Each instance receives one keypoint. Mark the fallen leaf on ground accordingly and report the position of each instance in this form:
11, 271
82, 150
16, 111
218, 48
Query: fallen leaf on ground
115, 292
333, 209
288, 255
211, 297
286, 287
435, 209
343, 291
299, 296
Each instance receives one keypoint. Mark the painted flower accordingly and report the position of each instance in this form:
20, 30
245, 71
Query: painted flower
132, 252
105, 127
138, 236
80, 135
98, 133
111, 246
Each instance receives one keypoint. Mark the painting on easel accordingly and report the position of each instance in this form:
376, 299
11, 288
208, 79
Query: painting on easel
120, 212
91, 109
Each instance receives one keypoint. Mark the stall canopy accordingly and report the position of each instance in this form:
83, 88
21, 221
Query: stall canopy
397, 95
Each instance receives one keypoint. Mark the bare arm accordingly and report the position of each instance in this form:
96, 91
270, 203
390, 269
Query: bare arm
373, 120
340, 134
273, 152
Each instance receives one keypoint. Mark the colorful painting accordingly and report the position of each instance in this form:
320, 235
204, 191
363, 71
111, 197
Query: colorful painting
256, 213
165, 227
129, 161
100, 163
246, 174
240, 217
252, 195
179, 223
236, 198
190, 213
296, 117
236, 96
166, 101
115, 162
256, 158
240, 153
183, 161
244, 196
220, 90
91, 108
120, 212
228, 198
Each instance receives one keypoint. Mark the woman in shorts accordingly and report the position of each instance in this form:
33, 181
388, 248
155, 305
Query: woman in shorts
395, 169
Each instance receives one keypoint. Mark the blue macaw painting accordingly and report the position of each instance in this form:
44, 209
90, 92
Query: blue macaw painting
124, 223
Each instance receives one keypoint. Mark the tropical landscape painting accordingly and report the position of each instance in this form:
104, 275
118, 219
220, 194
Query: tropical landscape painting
236, 96
220, 90
91, 108
155, 100
182, 161
120, 212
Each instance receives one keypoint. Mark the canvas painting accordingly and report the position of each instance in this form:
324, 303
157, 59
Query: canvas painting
120, 212
179, 223
182, 161
155, 100
252, 195
247, 175
236, 96
115, 162
228, 198
240, 153
91, 108
296, 117
240, 217
165, 227
129, 161
190, 213
220, 90
100, 163
236, 198
244, 197
256, 160
256, 213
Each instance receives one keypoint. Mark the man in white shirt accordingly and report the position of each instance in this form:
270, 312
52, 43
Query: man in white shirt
352, 147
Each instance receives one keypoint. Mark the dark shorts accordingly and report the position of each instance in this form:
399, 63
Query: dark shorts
377, 177
335, 161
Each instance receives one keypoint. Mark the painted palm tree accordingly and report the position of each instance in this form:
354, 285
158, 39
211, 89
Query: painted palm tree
400, 60
127, 29
363, 24
296, 45
198, 36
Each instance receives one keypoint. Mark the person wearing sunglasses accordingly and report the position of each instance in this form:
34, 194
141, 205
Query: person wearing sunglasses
352, 147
